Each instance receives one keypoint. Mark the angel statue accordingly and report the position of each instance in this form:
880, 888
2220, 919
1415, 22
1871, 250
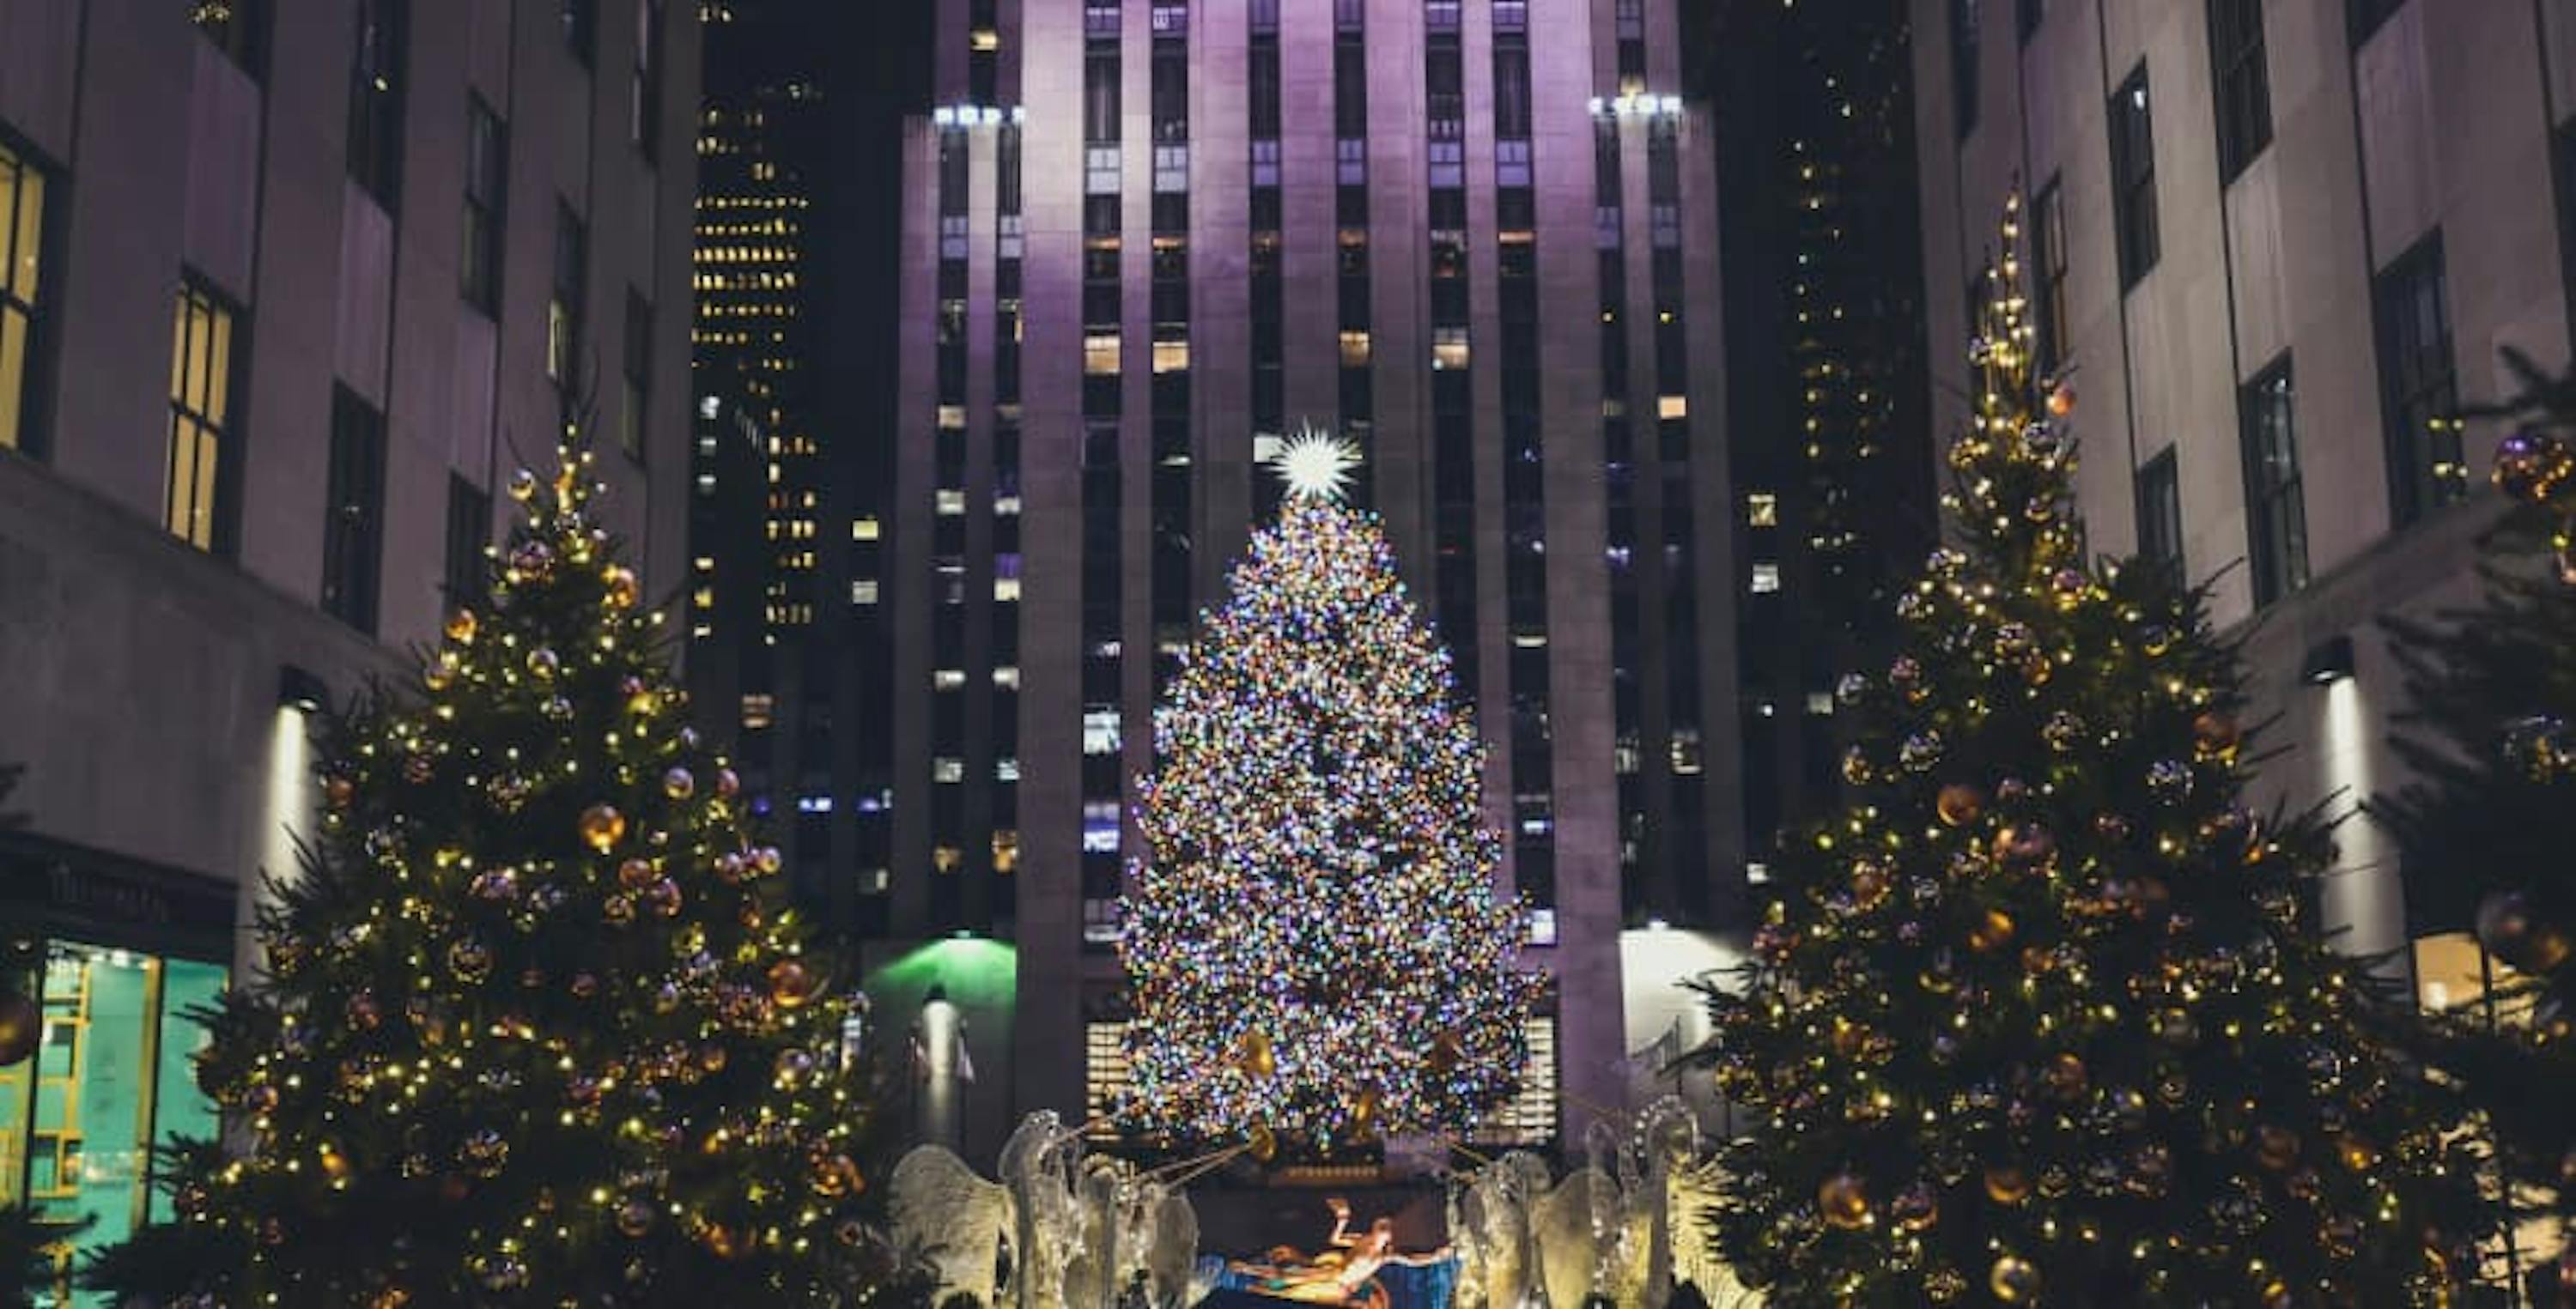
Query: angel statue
1037, 1167
1344, 1273
954, 1222
1491, 1227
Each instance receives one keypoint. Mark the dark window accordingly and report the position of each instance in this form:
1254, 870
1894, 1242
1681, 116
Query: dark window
1512, 86
197, 505
2048, 266
2418, 384
22, 303
353, 530
2160, 514
638, 396
376, 99
644, 96
2133, 178
1350, 87
469, 528
2363, 17
572, 285
580, 19
1170, 77
1965, 30
487, 172
1100, 93
1265, 87
2026, 18
2276, 515
239, 28
2244, 85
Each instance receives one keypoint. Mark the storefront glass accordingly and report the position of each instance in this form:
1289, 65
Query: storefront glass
111, 1074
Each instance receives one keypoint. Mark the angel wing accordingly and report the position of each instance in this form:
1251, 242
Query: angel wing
951, 1220
1695, 1190
1037, 1164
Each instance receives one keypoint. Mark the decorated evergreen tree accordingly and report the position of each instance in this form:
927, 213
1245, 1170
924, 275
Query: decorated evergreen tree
2489, 743
1316, 946
2042, 1015
536, 1031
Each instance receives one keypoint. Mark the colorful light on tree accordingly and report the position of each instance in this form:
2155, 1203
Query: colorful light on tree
2042, 1015
1316, 947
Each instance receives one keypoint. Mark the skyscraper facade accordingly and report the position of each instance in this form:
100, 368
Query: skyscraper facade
1143, 242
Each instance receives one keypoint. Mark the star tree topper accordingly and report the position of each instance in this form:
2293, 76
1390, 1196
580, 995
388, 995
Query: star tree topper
1316, 464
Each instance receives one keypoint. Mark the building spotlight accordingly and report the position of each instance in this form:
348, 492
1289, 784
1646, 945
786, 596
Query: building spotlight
298, 689
2328, 662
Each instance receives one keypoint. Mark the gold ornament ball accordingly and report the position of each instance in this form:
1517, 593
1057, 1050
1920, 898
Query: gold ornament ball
1844, 1201
636, 874
1915, 1209
791, 984
838, 1176
1959, 804
2061, 401
634, 1219
618, 909
2509, 928
460, 626
679, 784
728, 782
2014, 1280
2216, 735
1992, 931
622, 588
2066, 1075
2007, 1185
21, 1024
470, 960
603, 827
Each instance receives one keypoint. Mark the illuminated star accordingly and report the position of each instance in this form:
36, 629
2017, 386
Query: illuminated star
1316, 464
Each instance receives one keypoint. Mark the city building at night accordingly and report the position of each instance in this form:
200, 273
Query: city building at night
2275, 249
1826, 422
282, 305
1145, 241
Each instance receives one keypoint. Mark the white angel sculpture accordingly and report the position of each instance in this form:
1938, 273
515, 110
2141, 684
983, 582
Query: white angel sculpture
953, 1222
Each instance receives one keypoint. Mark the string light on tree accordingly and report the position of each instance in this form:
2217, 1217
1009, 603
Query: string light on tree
1317, 951
2041, 1016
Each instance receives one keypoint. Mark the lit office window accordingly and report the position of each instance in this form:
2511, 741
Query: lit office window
1529, 1117
22, 264
201, 384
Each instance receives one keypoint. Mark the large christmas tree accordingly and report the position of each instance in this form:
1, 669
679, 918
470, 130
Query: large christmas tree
2482, 825
535, 1030
2042, 1015
1316, 946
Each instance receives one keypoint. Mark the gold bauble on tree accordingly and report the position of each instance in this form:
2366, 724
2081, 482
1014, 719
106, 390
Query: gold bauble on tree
2014, 1280
1959, 804
603, 827
622, 588
1992, 931
2007, 1184
1915, 1208
1262, 1143
2510, 929
791, 984
1844, 1201
2215, 735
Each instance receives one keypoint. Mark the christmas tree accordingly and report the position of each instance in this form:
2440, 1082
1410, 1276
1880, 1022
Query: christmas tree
2042, 1015
1316, 946
535, 1029
2489, 743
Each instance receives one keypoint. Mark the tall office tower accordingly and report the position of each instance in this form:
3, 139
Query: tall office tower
1825, 343
286, 293
1148, 239
2276, 246
796, 138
